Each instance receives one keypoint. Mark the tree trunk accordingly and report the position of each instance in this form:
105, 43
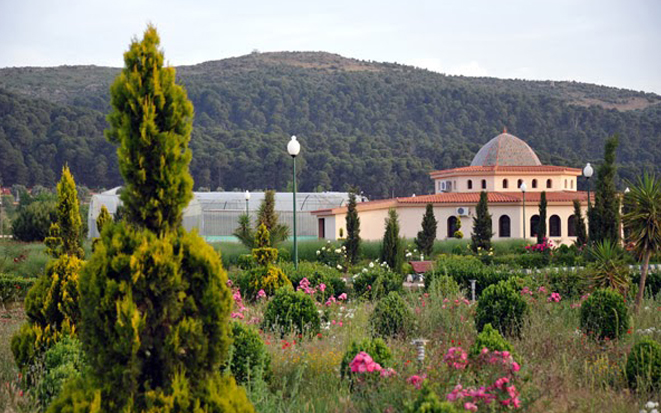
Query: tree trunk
643, 278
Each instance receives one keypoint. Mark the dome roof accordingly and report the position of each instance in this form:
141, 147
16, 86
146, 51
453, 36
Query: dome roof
506, 150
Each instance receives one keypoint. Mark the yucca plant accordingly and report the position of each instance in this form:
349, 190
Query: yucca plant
643, 224
608, 269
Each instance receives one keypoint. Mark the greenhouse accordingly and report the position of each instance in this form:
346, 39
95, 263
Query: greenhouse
216, 214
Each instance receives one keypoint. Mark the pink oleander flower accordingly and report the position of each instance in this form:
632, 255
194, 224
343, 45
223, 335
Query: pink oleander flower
261, 294
501, 382
542, 290
388, 372
555, 297
416, 380
330, 301
456, 358
470, 406
363, 363
322, 287
342, 297
455, 394
515, 366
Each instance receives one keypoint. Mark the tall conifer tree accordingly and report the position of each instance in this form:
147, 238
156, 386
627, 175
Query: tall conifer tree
352, 243
579, 224
155, 304
541, 226
425, 239
604, 219
482, 226
392, 250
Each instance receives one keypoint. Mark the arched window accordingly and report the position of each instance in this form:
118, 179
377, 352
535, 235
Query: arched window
534, 222
571, 226
470, 184
571, 184
505, 183
565, 184
519, 183
534, 183
504, 226
549, 183
554, 226
484, 184
452, 226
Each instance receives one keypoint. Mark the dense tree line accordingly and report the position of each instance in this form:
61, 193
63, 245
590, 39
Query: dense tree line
383, 127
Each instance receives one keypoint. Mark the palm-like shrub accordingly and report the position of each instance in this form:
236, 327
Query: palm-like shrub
608, 269
643, 224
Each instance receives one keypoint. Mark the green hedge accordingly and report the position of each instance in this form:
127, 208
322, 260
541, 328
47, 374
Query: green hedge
13, 288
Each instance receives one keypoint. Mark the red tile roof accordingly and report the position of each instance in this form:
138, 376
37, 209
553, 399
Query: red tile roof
500, 168
421, 267
494, 197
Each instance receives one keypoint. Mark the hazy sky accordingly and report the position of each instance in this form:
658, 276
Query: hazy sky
616, 43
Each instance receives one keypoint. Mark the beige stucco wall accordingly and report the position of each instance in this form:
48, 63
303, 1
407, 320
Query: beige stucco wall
495, 182
372, 222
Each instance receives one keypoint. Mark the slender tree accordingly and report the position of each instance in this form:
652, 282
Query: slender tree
52, 304
244, 232
643, 223
579, 225
425, 239
392, 250
541, 226
604, 219
103, 219
352, 243
154, 301
482, 226
266, 215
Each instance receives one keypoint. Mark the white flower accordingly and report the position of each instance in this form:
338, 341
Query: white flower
344, 247
408, 254
339, 267
323, 248
364, 269
338, 251
371, 265
651, 405
654, 411
318, 252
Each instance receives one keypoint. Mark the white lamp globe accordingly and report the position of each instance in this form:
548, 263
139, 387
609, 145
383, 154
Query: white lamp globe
588, 171
293, 147
523, 187
247, 196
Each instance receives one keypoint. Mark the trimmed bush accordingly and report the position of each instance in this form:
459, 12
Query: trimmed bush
604, 315
644, 365
502, 306
391, 317
376, 282
33, 221
375, 347
249, 359
291, 310
428, 402
491, 339
444, 286
63, 362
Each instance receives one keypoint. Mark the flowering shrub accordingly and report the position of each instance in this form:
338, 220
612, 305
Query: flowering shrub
456, 358
376, 347
376, 280
333, 256
317, 274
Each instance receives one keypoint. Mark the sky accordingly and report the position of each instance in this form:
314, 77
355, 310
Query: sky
614, 43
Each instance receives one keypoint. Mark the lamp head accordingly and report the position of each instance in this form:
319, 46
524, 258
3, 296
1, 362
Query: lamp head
247, 195
293, 147
523, 187
588, 171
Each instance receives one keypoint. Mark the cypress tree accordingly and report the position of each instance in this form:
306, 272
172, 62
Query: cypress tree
103, 219
425, 239
579, 224
266, 215
352, 243
541, 226
482, 227
392, 250
604, 219
154, 300
51, 305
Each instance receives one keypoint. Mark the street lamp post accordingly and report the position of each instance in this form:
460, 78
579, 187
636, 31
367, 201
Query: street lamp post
293, 148
247, 196
523, 189
587, 173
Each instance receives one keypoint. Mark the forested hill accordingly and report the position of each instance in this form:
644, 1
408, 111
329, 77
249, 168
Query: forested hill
381, 126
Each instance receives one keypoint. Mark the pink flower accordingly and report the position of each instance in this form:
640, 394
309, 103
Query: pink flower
342, 297
515, 366
322, 287
388, 372
456, 358
261, 294
229, 283
455, 394
555, 297
330, 301
470, 406
416, 380
542, 290
501, 382
237, 315
364, 363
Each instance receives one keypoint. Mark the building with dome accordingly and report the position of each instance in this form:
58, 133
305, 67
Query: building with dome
500, 168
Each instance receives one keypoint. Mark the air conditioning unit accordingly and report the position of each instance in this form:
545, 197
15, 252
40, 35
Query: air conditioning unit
444, 186
463, 211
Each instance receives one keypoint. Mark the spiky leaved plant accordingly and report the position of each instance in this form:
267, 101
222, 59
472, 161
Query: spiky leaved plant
154, 300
